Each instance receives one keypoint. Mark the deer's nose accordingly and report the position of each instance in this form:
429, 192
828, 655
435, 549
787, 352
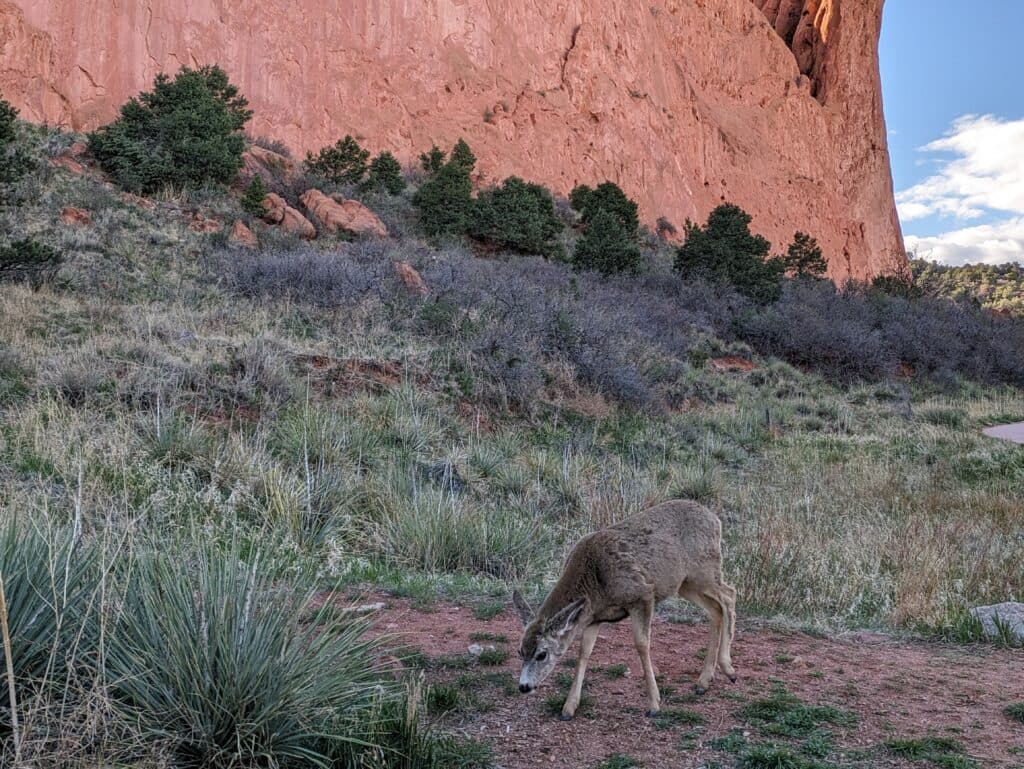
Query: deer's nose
525, 688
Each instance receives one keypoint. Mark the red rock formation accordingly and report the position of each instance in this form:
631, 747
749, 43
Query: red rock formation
242, 236
336, 213
288, 218
772, 104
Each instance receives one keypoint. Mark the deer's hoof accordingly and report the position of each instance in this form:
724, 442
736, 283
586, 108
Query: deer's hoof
701, 689
652, 713
733, 678
565, 717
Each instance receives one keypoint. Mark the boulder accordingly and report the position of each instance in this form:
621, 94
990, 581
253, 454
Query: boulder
138, 201
336, 213
286, 217
241, 235
68, 163
78, 217
411, 279
1007, 616
266, 163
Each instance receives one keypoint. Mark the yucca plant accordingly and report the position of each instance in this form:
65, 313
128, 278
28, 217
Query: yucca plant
48, 581
230, 668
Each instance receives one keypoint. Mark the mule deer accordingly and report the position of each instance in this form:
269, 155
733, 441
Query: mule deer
674, 548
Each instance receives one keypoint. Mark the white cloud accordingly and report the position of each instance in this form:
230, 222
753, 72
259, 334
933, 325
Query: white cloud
995, 243
986, 172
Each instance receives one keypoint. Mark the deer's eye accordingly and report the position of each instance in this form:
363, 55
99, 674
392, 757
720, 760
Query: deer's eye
542, 656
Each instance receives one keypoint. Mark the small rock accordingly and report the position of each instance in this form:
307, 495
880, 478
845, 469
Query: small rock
1007, 616
241, 235
412, 280
76, 216
475, 650
204, 224
266, 163
68, 164
77, 149
136, 200
732, 363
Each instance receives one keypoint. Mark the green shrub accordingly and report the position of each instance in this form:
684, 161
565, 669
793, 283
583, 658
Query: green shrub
463, 155
517, 215
386, 174
434, 160
804, 258
606, 247
1015, 711
186, 132
725, 250
28, 260
609, 197
445, 202
233, 667
254, 197
342, 163
902, 286
15, 162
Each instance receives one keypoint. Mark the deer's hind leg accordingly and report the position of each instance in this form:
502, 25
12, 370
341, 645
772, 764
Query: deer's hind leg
716, 615
725, 595
641, 614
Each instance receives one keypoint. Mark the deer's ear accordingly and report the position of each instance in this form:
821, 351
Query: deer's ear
522, 607
562, 622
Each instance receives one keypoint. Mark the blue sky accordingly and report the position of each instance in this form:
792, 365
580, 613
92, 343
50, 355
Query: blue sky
954, 104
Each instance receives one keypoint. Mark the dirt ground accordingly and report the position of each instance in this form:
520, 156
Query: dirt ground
895, 690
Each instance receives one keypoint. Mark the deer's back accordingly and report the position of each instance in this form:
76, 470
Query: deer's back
650, 554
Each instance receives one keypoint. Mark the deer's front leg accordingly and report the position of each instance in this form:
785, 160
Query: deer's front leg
641, 615
586, 647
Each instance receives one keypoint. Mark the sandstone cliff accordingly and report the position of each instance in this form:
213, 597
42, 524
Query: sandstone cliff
772, 104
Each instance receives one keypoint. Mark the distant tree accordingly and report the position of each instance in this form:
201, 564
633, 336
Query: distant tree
184, 133
386, 174
608, 196
725, 250
342, 163
606, 247
463, 155
8, 123
445, 202
897, 285
15, 162
804, 258
517, 215
434, 160
254, 197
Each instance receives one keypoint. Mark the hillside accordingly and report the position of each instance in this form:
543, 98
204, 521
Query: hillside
996, 288
775, 106
211, 449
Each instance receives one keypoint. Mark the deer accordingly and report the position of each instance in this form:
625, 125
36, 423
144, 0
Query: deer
625, 570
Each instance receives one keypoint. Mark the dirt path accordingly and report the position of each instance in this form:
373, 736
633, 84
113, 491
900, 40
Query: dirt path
893, 690
1014, 433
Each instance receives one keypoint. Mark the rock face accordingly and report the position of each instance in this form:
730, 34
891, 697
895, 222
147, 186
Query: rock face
336, 213
288, 218
772, 104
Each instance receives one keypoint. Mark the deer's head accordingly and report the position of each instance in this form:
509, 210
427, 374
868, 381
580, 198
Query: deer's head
545, 639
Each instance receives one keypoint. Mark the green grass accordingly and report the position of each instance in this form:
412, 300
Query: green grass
784, 715
1015, 711
943, 752
494, 657
619, 761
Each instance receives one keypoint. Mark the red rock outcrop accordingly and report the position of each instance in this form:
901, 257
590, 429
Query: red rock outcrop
78, 217
772, 104
288, 218
336, 213
242, 236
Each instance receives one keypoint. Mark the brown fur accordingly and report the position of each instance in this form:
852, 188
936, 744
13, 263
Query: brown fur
623, 571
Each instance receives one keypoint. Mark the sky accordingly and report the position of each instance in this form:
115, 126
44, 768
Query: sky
953, 83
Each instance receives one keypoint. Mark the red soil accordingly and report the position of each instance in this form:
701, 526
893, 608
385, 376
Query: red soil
897, 689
